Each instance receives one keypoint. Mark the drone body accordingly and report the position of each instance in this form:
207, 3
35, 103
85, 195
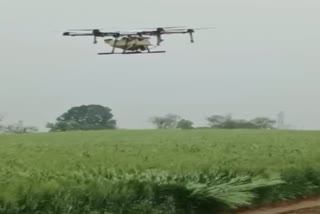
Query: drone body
133, 42
130, 44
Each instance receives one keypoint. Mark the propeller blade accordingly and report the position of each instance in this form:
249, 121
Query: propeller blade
167, 27
83, 29
155, 28
176, 27
144, 29
185, 29
90, 29
203, 28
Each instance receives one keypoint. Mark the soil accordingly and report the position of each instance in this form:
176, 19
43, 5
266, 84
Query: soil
315, 210
307, 206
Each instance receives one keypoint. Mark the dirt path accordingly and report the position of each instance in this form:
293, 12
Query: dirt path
310, 206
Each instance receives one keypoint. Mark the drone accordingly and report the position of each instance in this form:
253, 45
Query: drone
132, 41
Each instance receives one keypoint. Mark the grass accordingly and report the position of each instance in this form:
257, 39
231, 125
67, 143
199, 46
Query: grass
170, 171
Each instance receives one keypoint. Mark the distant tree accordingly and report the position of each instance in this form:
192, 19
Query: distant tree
168, 121
185, 124
263, 123
238, 124
17, 128
85, 117
219, 121
226, 122
20, 128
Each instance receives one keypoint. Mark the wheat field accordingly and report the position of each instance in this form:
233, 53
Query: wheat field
152, 171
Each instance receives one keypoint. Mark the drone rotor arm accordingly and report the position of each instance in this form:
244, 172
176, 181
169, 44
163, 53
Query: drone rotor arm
77, 34
156, 32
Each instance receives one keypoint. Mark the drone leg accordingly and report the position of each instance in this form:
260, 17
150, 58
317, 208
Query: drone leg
191, 37
95, 40
159, 39
148, 49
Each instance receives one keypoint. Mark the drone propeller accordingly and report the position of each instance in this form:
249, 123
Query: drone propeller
190, 31
138, 29
186, 29
84, 29
204, 28
175, 27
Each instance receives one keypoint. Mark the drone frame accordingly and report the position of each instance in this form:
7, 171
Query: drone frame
158, 32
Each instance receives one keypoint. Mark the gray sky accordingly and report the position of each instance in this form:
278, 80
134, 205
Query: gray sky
262, 57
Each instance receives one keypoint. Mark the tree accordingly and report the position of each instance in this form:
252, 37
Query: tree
219, 121
168, 121
17, 128
263, 123
226, 122
20, 128
85, 117
185, 124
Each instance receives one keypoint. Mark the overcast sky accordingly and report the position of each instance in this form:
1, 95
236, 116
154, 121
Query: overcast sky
262, 58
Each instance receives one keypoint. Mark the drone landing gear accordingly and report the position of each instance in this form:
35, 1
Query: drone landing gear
150, 52
136, 52
114, 46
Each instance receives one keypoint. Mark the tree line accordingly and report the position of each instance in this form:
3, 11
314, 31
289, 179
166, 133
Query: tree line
97, 117
171, 121
16, 128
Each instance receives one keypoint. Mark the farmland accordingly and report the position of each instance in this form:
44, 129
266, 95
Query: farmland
149, 171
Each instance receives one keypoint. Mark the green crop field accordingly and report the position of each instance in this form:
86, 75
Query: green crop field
150, 171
